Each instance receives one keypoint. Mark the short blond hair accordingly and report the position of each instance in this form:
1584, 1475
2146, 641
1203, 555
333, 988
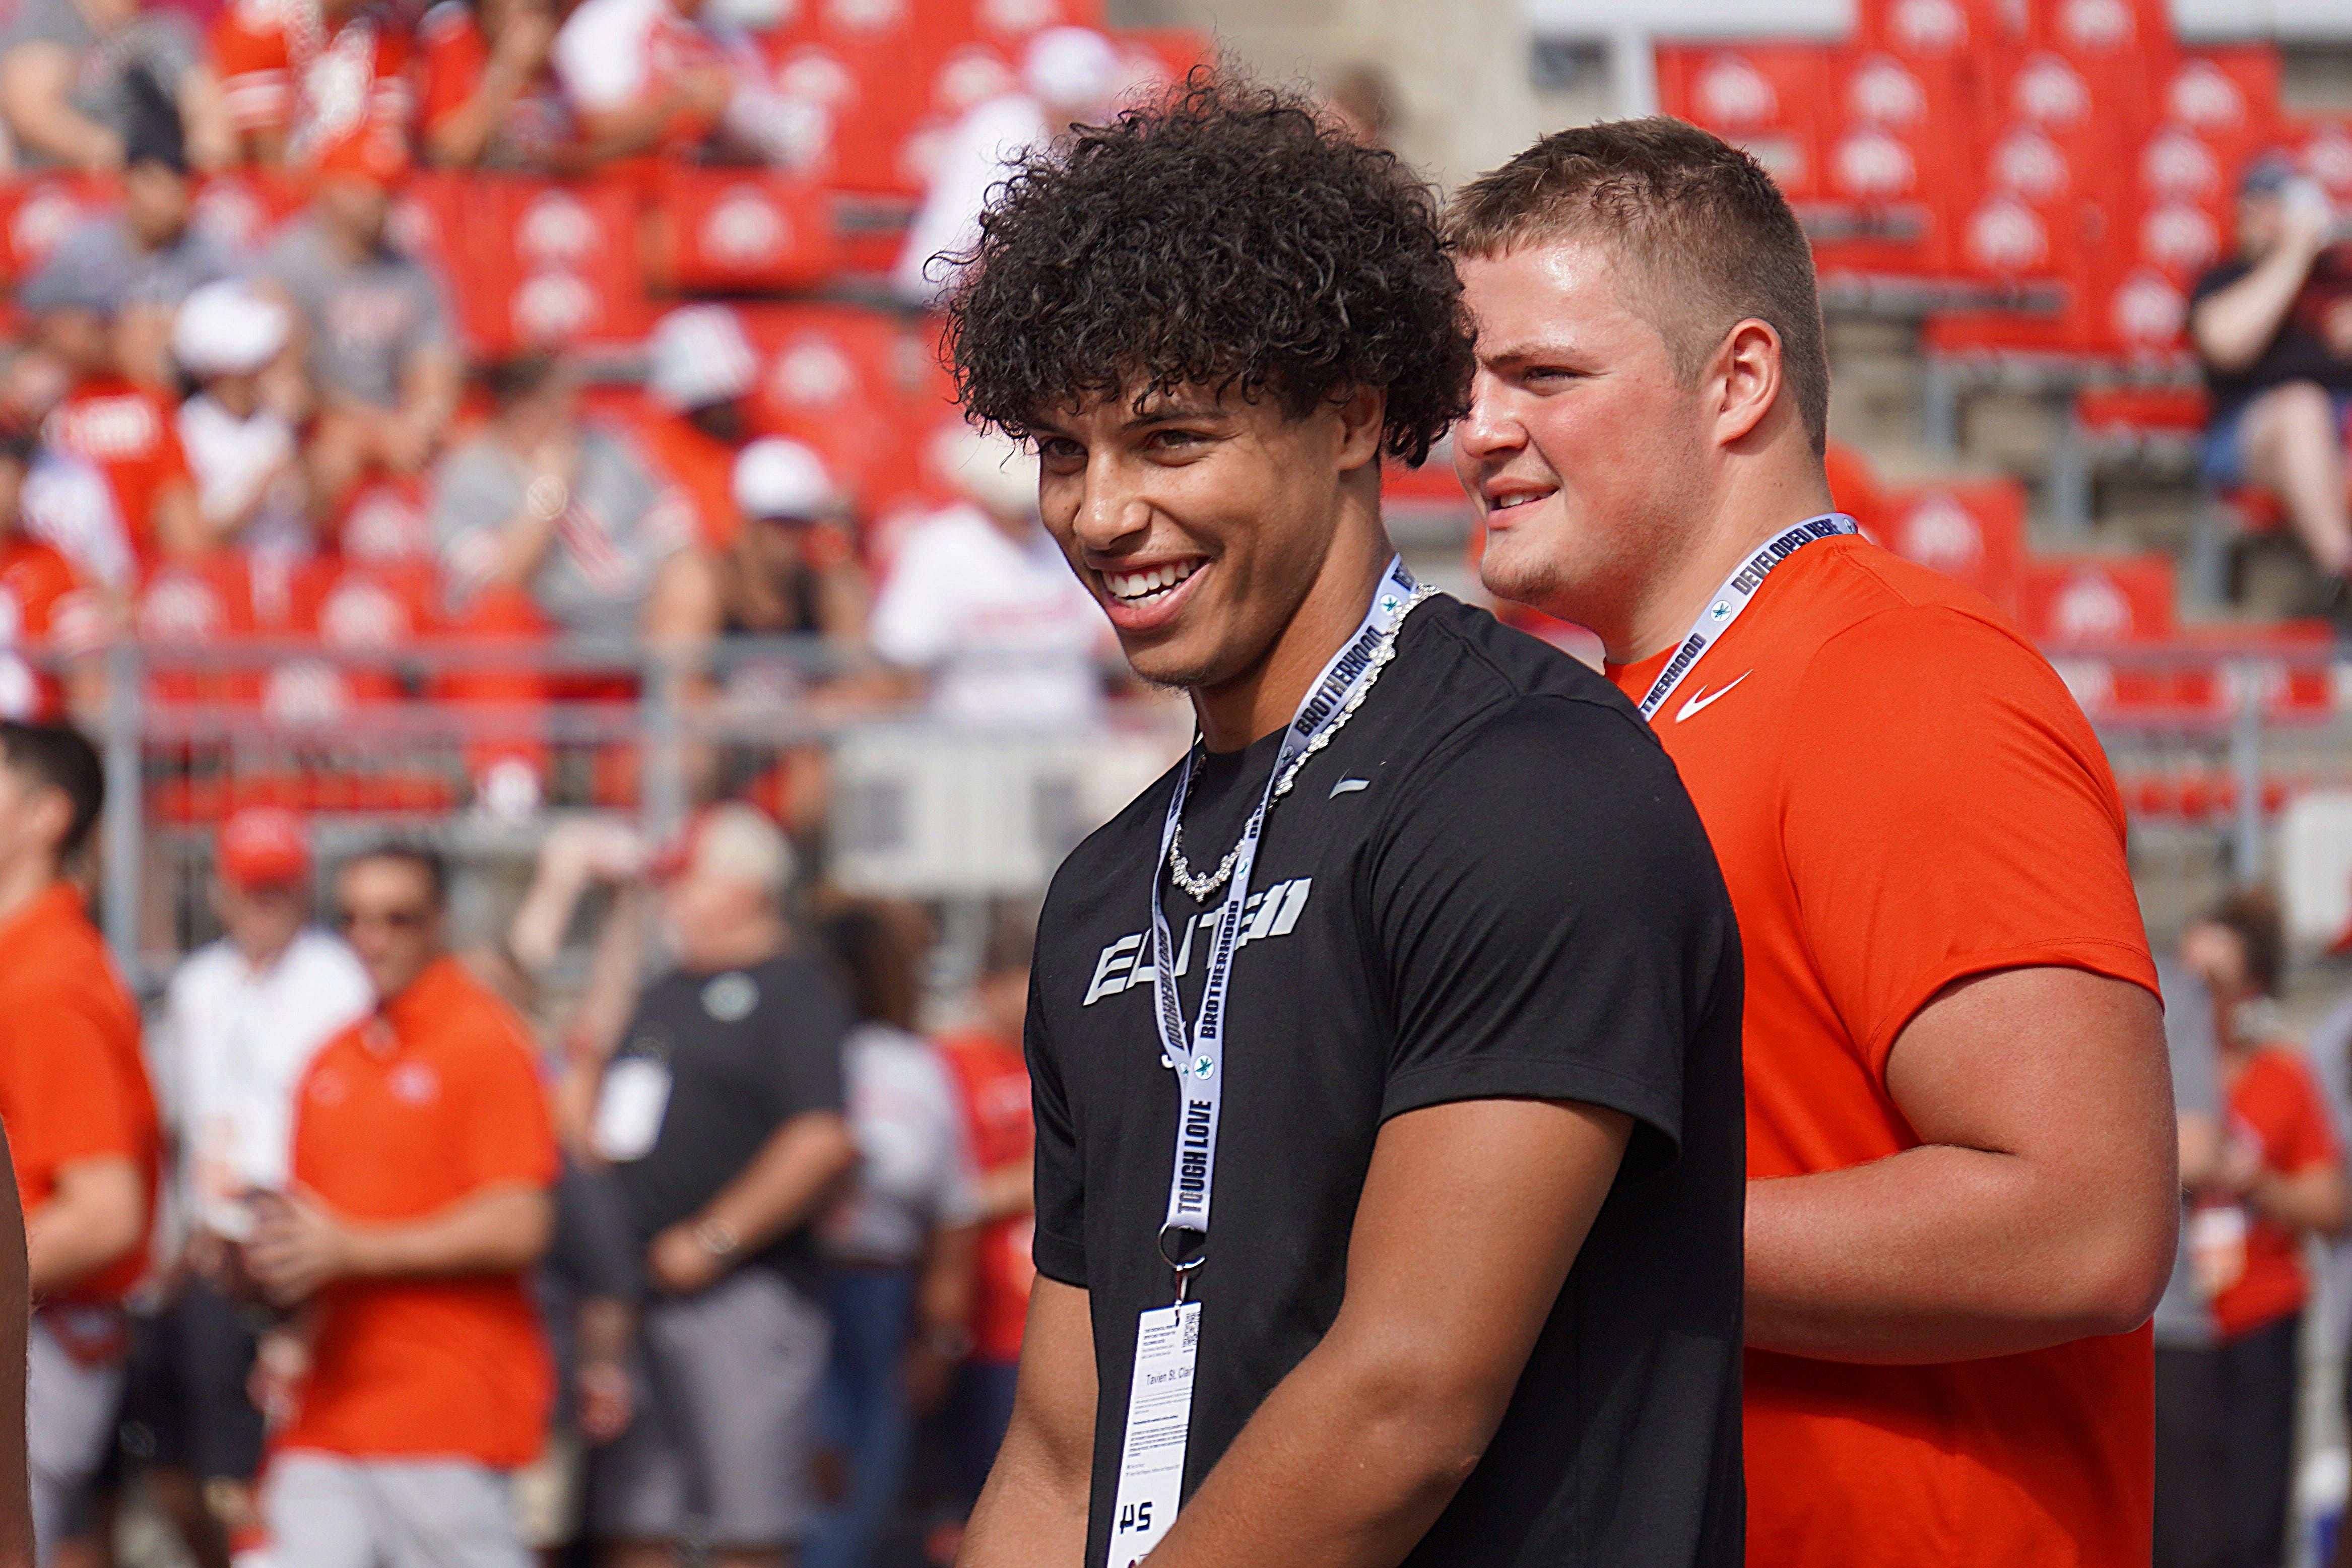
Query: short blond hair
1711, 240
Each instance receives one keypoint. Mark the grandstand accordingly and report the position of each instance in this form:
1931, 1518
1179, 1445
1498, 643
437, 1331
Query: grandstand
2010, 204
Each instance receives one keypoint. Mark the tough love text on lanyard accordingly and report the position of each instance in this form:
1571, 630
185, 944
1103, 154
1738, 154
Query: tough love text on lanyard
1166, 1341
1738, 592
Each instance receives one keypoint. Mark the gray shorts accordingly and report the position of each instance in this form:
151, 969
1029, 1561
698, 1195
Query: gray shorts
69, 1417
326, 1510
726, 1393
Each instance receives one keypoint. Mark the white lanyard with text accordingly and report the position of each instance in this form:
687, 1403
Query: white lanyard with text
1159, 1394
1738, 592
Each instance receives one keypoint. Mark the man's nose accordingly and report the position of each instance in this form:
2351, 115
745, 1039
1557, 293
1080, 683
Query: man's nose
1489, 427
1111, 512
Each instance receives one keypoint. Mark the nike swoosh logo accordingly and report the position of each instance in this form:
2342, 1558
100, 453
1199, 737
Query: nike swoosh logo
1347, 786
1699, 699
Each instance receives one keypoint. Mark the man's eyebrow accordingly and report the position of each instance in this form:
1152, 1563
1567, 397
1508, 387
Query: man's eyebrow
1523, 354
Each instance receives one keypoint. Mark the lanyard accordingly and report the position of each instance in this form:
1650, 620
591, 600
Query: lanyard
1184, 1239
1739, 591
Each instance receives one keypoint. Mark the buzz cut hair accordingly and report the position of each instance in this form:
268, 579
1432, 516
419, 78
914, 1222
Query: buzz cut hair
1707, 239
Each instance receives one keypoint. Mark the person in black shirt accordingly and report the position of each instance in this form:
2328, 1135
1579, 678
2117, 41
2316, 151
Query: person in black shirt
720, 1114
1469, 1108
2273, 327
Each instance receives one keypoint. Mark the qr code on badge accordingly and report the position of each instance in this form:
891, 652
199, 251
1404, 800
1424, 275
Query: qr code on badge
1191, 1330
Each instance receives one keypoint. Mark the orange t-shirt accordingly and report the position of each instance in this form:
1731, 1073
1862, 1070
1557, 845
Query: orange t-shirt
1901, 794
129, 435
2275, 1101
428, 1102
73, 1084
994, 1079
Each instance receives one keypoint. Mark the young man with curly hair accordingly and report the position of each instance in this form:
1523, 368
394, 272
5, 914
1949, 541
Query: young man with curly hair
1453, 1023
1959, 1118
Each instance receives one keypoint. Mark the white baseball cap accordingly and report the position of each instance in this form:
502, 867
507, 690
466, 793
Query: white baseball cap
989, 466
698, 356
1075, 66
775, 476
228, 328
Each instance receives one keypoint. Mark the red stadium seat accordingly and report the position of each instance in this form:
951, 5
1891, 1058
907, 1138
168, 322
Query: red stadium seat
741, 232
2090, 599
1771, 99
37, 214
1971, 530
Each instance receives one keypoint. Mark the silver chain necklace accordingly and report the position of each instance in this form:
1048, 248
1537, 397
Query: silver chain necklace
1201, 888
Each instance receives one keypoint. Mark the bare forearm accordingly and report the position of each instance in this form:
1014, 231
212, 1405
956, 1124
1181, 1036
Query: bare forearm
2313, 1200
494, 1232
788, 1180
1942, 1253
1345, 1465
1032, 1513
2232, 327
96, 1217
462, 136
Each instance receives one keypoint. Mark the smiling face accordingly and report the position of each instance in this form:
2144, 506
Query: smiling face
1585, 451
1214, 531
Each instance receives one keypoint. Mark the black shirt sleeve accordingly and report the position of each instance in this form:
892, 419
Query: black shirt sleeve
1060, 1248
811, 1020
1552, 919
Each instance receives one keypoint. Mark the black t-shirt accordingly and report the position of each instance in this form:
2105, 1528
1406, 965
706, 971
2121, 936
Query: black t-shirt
1489, 884
746, 1051
2299, 352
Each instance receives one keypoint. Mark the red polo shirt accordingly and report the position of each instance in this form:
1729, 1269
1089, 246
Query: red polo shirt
73, 1085
404, 1113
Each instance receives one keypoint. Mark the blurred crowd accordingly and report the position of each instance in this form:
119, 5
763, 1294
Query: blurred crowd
212, 430
376, 1249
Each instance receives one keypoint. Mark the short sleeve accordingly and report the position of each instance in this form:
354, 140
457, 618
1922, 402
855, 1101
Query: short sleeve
47, 22
1059, 1247
62, 1098
1552, 920
433, 329
472, 499
2306, 1136
1948, 812
804, 1073
507, 1135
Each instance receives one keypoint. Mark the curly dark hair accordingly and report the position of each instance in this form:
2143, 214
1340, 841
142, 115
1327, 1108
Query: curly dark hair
1227, 237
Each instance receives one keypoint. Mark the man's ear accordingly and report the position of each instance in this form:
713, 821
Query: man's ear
1747, 373
52, 817
1363, 419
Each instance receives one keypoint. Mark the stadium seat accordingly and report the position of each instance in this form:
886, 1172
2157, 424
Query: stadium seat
1973, 531
1771, 99
38, 214
738, 231
2093, 599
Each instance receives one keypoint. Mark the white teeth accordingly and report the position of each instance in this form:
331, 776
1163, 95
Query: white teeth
1136, 586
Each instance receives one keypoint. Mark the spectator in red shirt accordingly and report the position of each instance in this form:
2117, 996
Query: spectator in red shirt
993, 1073
302, 76
42, 605
75, 1099
488, 99
2280, 1180
422, 1157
